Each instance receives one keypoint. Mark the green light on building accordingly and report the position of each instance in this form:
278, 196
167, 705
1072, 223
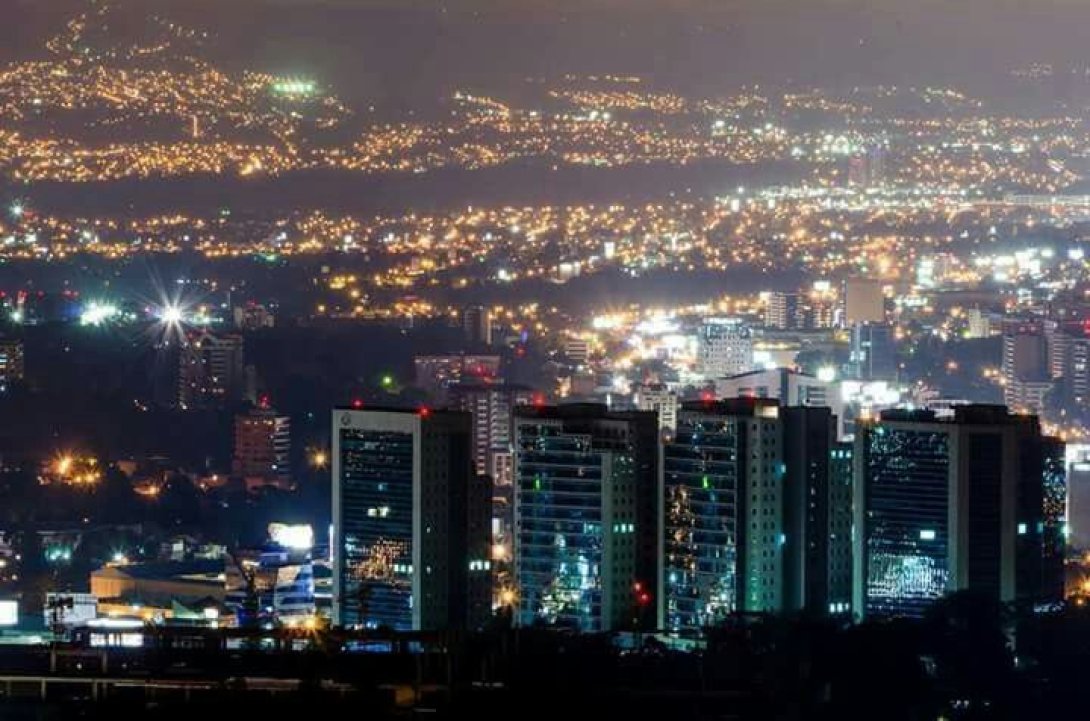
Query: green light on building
294, 87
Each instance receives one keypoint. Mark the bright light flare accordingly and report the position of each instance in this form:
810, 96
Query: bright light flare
297, 537
171, 315
95, 314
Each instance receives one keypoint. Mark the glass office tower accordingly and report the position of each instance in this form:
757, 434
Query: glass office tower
722, 534
584, 516
410, 520
941, 505
907, 534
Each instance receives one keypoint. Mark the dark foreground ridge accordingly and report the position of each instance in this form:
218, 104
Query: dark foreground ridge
959, 662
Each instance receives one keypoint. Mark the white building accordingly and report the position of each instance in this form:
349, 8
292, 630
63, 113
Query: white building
1078, 494
980, 323
789, 387
724, 348
660, 399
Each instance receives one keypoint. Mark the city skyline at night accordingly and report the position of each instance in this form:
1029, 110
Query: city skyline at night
653, 358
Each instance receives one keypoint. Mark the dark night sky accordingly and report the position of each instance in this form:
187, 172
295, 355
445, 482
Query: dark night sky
411, 48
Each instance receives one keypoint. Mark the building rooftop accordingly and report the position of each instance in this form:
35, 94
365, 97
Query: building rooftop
768, 371
578, 411
743, 406
418, 410
191, 571
968, 414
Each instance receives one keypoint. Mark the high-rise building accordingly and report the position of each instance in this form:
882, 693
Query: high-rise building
491, 407
816, 513
263, 449
722, 485
1077, 371
972, 502
839, 553
1041, 554
979, 324
11, 360
788, 386
820, 311
1026, 368
211, 369
785, 311
1025, 350
411, 541
586, 550
873, 354
1058, 346
1078, 495
1027, 396
864, 301
477, 325
725, 348
757, 518
660, 399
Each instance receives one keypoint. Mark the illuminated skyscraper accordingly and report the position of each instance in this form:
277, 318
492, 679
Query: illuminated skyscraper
816, 513
785, 311
410, 521
11, 360
262, 449
1078, 495
1025, 350
491, 406
585, 514
943, 505
820, 308
1077, 370
1026, 366
722, 486
873, 355
477, 325
210, 369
